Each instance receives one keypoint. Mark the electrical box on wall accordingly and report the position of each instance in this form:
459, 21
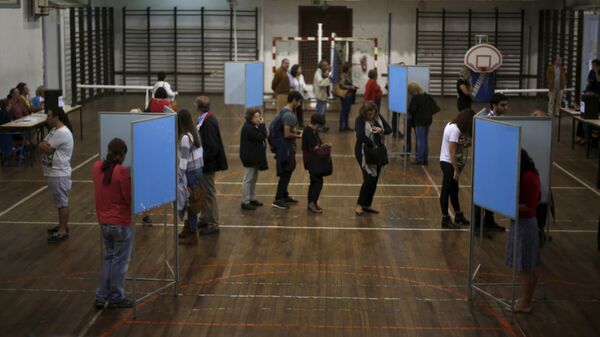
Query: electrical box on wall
39, 7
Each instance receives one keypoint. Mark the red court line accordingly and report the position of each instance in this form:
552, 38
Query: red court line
313, 326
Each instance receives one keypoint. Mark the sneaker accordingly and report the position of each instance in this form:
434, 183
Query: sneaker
56, 237
447, 223
248, 206
313, 208
493, 226
280, 204
290, 201
146, 221
54, 229
124, 303
460, 219
99, 304
209, 230
256, 203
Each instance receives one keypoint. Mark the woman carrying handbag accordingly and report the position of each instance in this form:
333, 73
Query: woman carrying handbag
317, 160
370, 152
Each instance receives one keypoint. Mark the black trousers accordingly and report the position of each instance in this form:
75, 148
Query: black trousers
315, 187
282, 185
449, 189
300, 115
368, 188
488, 216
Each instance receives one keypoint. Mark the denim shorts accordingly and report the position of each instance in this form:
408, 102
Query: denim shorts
60, 188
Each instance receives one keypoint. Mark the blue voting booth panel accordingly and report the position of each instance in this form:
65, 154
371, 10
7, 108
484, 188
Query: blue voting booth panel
419, 74
255, 79
155, 160
118, 125
496, 166
234, 83
536, 139
397, 101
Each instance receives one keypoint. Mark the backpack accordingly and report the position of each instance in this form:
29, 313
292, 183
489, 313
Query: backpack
275, 131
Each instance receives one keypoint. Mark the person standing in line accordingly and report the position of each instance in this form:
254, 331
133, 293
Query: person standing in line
346, 84
421, 112
161, 83
456, 133
311, 142
373, 90
112, 189
556, 77
321, 82
527, 255
191, 161
282, 81
214, 160
285, 149
253, 156
57, 149
498, 107
298, 84
464, 90
370, 128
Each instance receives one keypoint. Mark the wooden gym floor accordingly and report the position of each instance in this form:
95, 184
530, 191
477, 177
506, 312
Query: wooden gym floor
278, 273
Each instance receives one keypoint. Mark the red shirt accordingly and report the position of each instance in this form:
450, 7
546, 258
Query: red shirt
529, 193
113, 201
158, 105
372, 91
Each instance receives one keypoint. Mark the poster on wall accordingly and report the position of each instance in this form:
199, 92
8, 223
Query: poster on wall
483, 86
10, 3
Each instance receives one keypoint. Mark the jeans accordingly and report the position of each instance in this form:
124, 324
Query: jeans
345, 113
249, 184
368, 188
315, 187
282, 186
117, 252
321, 106
449, 189
193, 180
422, 148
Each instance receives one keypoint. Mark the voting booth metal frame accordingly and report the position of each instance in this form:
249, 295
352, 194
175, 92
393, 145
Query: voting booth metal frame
542, 155
401, 93
173, 280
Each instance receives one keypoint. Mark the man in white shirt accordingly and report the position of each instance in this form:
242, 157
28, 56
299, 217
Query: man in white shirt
161, 83
556, 77
57, 149
322, 81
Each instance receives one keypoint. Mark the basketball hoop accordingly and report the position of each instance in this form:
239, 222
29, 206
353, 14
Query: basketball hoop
483, 57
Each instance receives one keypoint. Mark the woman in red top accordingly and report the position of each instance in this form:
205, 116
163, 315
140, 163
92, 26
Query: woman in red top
112, 185
527, 254
373, 90
159, 101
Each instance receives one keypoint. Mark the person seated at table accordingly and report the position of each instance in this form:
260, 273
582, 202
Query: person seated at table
24, 97
161, 83
159, 101
38, 101
5, 115
17, 108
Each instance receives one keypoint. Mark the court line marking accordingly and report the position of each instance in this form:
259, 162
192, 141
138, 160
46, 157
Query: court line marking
39, 190
577, 179
345, 228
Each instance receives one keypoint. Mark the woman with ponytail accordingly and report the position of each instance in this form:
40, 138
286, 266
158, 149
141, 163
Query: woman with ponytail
57, 149
112, 185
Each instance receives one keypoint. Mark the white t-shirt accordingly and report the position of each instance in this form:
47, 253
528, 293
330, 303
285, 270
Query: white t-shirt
451, 134
58, 163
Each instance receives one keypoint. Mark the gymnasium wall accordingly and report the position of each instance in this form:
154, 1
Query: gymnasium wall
280, 18
22, 50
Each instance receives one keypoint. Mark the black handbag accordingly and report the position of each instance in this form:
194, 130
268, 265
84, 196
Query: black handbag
376, 155
320, 163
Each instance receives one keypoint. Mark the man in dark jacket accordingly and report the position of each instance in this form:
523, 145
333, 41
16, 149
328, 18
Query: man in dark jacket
253, 155
214, 160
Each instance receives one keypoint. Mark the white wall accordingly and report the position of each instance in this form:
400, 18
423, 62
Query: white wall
21, 59
280, 18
